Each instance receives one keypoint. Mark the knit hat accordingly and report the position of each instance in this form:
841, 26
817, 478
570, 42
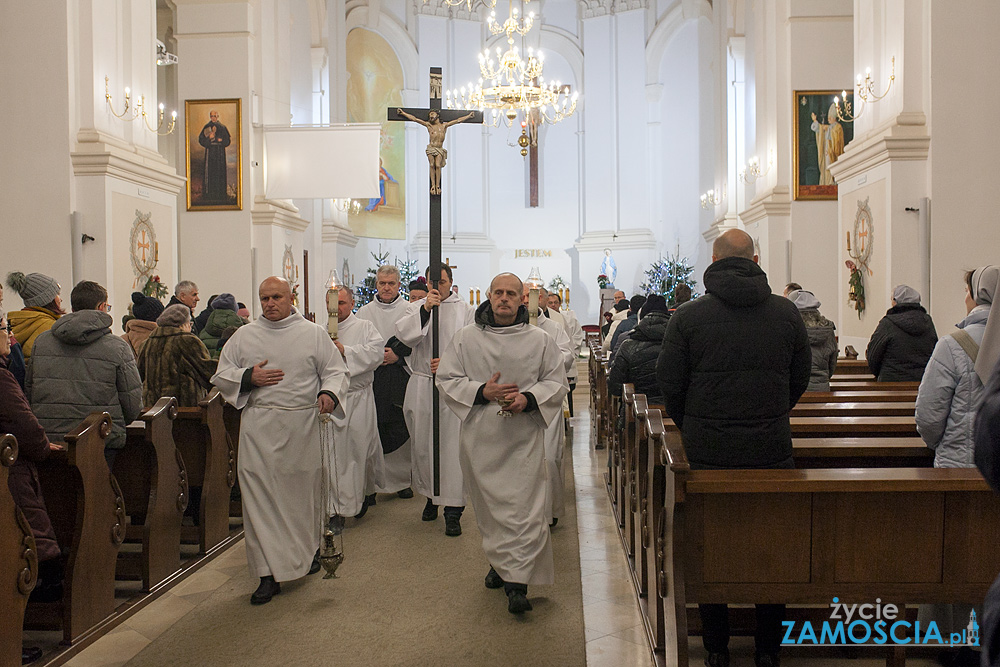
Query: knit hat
36, 289
654, 304
621, 305
225, 300
636, 302
145, 307
419, 284
903, 294
803, 299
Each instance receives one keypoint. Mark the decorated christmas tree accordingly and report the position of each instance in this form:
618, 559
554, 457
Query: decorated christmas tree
665, 275
366, 290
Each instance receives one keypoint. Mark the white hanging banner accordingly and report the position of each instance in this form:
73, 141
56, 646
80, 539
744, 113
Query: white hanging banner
321, 162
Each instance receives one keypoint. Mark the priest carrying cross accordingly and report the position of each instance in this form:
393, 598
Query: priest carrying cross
437, 123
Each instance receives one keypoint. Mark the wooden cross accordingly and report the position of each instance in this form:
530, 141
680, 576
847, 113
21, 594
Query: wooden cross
533, 120
447, 260
436, 156
143, 245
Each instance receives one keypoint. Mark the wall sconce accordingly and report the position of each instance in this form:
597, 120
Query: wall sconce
865, 92
132, 111
711, 199
752, 171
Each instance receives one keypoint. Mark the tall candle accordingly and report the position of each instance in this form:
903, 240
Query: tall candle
533, 305
332, 297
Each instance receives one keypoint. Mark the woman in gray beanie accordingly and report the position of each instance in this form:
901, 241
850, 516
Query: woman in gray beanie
42, 307
822, 339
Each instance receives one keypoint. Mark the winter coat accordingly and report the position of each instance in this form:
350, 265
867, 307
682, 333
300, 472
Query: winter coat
175, 363
32, 446
823, 342
218, 321
901, 344
29, 324
987, 446
949, 395
733, 364
201, 320
15, 363
635, 361
136, 333
616, 320
80, 367
622, 330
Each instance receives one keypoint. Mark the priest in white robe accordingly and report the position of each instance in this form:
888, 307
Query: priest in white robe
389, 385
576, 337
414, 330
555, 434
357, 451
501, 356
283, 372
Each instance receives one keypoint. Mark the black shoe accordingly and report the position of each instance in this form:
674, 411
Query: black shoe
365, 504
493, 579
268, 588
30, 654
766, 660
405, 493
370, 499
717, 659
314, 568
430, 511
555, 520
453, 525
517, 602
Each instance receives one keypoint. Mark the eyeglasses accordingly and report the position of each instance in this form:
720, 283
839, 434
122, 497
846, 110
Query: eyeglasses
8, 328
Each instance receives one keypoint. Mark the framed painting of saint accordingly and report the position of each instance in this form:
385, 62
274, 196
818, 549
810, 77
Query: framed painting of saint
213, 140
819, 136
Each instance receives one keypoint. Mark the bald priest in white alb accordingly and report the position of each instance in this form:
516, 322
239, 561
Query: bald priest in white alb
358, 455
501, 356
282, 371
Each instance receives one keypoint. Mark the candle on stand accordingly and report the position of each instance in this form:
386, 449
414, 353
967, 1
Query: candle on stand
478, 299
332, 298
471, 292
848, 242
534, 283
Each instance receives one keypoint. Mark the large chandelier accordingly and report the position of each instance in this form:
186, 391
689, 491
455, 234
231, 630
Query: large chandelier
510, 85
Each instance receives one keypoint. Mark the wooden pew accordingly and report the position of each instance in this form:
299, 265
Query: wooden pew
153, 479
852, 409
18, 561
805, 536
87, 511
210, 460
858, 396
231, 420
852, 367
870, 452
838, 385
620, 455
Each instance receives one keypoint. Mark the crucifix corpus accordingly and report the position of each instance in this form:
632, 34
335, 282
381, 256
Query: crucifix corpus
437, 122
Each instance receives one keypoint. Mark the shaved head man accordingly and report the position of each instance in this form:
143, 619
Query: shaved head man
734, 243
505, 297
282, 371
732, 365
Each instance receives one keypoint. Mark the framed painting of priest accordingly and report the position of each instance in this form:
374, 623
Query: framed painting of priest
213, 142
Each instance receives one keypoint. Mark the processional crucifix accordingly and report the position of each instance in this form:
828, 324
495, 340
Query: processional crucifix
437, 122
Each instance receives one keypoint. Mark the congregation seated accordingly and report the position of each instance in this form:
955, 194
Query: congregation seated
822, 339
145, 310
952, 384
17, 419
903, 340
222, 316
42, 307
626, 325
174, 362
636, 359
79, 367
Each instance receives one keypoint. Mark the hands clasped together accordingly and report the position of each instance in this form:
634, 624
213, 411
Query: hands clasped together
494, 391
265, 377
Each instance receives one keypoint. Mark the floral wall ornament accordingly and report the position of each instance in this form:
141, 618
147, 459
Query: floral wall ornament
142, 248
860, 242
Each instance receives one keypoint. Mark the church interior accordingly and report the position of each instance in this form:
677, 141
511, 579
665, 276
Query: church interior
841, 135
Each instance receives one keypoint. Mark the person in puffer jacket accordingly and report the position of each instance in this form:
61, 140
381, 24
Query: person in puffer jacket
222, 317
903, 340
79, 367
637, 355
951, 389
822, 339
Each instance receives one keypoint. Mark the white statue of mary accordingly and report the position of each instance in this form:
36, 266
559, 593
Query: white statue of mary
608, 267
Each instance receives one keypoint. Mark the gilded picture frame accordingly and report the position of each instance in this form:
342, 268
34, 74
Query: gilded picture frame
817, 143
213, 131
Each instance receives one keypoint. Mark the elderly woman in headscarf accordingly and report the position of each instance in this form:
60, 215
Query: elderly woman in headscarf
822, 338
174, 362
952, 386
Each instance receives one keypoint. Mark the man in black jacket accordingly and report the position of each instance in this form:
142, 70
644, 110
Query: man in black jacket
733, 364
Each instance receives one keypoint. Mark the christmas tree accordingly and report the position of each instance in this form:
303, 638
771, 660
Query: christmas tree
366, 290
665, 275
